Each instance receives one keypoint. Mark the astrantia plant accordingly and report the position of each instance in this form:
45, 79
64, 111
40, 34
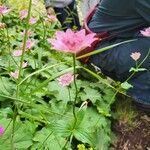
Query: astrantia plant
72, 42
44, 105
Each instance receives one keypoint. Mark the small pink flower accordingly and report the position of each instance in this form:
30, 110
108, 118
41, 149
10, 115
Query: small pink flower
14, 74
146, 32
30, 44
65, 79
2, 130
23, 14
24, 65
17, 53
4, 10
32, 20
135, 56
29, 33
72, 42
2, 25
51, 18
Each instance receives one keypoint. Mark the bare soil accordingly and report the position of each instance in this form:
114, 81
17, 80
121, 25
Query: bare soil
135, 138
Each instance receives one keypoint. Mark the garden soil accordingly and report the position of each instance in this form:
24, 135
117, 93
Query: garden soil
137, 138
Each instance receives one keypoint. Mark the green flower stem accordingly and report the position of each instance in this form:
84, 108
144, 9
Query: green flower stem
9, 47
103, 49
74, 103
76, 90
20, 69
25, 39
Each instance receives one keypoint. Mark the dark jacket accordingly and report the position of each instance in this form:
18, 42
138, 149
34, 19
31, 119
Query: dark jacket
118, 15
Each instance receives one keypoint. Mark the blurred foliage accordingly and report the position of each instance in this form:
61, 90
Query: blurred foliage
37, 5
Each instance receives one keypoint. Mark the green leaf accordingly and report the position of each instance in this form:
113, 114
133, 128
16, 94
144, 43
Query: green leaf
60, 92
126, 85
46, 139
6, 87
90, 94
137, 69
23, 134
88, 121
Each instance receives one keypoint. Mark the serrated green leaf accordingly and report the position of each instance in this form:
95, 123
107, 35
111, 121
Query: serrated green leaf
90, 94
45, 139
6, 87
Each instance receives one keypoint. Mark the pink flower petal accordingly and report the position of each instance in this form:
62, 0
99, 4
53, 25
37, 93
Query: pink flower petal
29, 33
2, 25
135, 56
146, 32
2, 130
17, 53
23, 14
65, 79
71, 41
14, 74
30, 44
24, 65
32, 21
4, 10
51, 18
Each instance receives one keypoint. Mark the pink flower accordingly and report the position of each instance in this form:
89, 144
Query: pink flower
17, 53
146, 32
14, 74
30, 44
1, 130
4, 10
2, 25
51, 18
135, 56
72, 42
32, 20
29, 33
24, 65
23, 14
65, 79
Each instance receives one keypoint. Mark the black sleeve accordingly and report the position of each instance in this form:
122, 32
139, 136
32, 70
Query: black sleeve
143, 9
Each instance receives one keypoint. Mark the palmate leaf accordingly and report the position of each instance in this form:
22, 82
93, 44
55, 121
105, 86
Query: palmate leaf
6, 87
60, 92
89, 125
90, 94
102, 139
22, 135
93, 124
45, 139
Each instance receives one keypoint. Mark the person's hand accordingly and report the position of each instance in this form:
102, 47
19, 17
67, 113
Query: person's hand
50, 11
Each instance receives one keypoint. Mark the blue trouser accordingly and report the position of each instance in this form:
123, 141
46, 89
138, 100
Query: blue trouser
117, 62
68, 16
